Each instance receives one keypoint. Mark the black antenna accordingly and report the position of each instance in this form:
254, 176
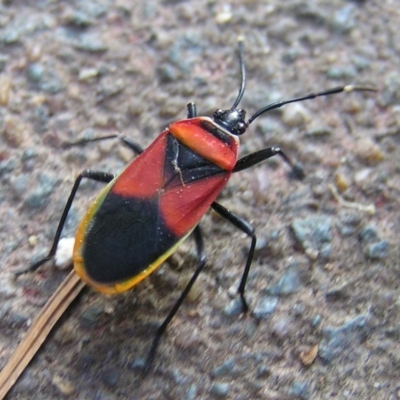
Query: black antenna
273, 106
242, 72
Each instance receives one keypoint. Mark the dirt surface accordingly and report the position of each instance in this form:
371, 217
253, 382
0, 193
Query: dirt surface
324, 283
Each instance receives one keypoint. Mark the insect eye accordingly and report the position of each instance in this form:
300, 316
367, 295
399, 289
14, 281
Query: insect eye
241, 128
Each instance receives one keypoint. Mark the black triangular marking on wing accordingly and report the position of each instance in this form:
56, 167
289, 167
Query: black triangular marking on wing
183, 165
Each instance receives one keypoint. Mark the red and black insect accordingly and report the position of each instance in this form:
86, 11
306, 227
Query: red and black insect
144, 213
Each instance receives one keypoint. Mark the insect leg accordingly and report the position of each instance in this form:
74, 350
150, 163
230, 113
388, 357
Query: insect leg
201, 262
262, 155
94, 175
245, 227
128, 142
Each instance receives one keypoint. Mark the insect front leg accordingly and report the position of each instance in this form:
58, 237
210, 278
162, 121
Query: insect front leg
244, 163
262, 155
93, 175
245, 227
201, 262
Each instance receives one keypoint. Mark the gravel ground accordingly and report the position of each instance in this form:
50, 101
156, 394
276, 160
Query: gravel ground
324, 283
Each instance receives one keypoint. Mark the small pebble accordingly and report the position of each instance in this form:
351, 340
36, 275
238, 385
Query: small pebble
45, 78
224, 14
361, 176
77, 18
64, 386
344, 343
344, 19
291, 55
234, 308
220, 390
34, 52
191, 394
5, 87
18, 185
342, 72
263, 372
378, 250
32, 240
167, 73
225, 369
110, 378
338, 293
313, 232
391, 91
316, 321
368, 151
7, 166
319, 132
296, 276
299, 390
138, 364
178, 377
282, 28
86, 74
187, 339
368, 234
91, 315
265, 307
90, 42
348, 223
342, 182
109, 88
7, 287
10, 36
13, 131
281, 328
295, 115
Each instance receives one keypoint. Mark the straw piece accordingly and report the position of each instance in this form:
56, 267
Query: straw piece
38, 331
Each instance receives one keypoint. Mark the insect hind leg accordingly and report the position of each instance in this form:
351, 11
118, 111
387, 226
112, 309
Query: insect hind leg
126, 141
201, 262
93, 175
